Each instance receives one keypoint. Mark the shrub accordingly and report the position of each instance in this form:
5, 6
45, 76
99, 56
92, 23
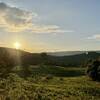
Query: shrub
93, 70
61, 79
5, 67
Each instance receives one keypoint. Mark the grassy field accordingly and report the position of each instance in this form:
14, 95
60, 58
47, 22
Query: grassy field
49, 83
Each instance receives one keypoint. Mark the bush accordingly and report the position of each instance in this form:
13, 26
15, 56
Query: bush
5, 67
93, 70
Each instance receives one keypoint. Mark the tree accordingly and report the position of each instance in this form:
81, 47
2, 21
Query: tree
26, 71
6, 65
93, 70
44, 57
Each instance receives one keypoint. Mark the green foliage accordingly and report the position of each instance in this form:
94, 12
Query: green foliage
49, 83
70, 88
93, 70
26, 71
44, 58
6, 66
18, 57
29, 81
57, 71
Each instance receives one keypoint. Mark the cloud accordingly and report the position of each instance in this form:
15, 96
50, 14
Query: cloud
48, 29
14, 19
94, 37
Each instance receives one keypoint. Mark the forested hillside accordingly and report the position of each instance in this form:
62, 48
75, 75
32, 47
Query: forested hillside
16, 57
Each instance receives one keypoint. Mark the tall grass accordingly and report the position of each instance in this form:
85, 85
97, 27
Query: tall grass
50, 83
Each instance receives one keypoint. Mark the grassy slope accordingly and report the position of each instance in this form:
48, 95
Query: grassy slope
50, 83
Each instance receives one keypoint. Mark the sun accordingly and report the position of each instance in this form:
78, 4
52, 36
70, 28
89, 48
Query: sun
17, 45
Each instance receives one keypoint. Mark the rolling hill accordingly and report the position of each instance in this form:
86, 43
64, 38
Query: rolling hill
46, 82
27, 58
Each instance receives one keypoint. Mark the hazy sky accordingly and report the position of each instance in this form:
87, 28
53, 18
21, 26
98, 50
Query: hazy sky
50, 25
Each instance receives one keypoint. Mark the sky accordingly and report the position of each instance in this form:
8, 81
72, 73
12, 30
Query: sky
50, 25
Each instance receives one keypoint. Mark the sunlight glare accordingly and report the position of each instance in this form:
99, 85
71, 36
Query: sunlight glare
17, 45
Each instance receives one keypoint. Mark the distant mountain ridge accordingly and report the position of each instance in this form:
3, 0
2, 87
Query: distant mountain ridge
69, 53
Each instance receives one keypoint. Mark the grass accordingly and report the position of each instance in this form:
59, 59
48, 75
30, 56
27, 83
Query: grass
50, 83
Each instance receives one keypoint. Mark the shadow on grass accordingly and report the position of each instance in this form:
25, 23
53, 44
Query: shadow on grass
59, 71
69, 73
51, 70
